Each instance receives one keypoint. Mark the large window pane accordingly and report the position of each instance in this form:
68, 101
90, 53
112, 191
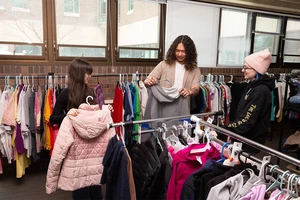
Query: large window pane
268, 24
138, 28
200, 22
267, 34
21, 28
88, 28
292, 42
263, 41
234, 40
293, 29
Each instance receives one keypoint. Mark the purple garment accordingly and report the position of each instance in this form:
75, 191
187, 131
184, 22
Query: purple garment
256, 193
99, 95
19, 142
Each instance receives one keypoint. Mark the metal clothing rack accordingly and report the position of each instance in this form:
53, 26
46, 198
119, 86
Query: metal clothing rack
219, 129
228, 133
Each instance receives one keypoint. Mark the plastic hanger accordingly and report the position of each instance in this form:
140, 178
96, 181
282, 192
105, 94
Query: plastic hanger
222, 152
233, 158
139, 134
281, 183
231, 79
265, 161
87, 99
276, 182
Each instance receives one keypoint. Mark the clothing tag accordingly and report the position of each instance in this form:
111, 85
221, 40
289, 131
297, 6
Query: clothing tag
198, 158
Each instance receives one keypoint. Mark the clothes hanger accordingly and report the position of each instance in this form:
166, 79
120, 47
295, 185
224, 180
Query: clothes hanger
139, 134
87, 99
276, 182
281, 184
222, 152
233, 159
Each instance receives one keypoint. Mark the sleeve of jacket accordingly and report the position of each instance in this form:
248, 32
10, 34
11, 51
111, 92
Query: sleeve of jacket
157, 71
63, 141
250, 113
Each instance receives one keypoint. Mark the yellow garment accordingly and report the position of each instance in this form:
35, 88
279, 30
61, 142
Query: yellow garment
22, 162
47, 118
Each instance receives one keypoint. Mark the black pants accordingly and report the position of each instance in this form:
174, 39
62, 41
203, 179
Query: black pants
88, 193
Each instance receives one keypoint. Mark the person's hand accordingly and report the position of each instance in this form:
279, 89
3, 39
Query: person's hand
110, 108
73, 112
184, 92
150, 80
229, 140
214, 133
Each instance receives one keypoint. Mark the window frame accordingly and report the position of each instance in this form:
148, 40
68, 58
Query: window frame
162, 22
279, 57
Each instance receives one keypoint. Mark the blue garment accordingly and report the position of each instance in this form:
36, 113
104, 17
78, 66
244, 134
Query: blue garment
115, 174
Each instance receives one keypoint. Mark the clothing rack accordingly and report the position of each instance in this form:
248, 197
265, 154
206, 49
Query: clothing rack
111, 125
246, 155
219, 129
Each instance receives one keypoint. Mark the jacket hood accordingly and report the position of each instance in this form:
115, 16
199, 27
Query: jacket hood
90, 122
264, 79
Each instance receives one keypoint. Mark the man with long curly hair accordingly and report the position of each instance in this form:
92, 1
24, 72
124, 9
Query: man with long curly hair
178, 74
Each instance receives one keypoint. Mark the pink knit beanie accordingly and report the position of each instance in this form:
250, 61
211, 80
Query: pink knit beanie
260, 61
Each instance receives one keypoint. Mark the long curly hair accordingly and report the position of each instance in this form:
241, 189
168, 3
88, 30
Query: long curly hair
190, 49
78, 89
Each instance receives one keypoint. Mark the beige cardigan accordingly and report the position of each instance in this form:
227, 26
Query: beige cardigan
166, 75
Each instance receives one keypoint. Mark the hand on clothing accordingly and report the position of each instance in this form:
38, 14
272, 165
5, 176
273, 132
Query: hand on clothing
73, 112
229, 139
150, 80
184, 92
110, 108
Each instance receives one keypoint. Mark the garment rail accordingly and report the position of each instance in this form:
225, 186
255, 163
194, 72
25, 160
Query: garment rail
243, 155
164, 119
252, 143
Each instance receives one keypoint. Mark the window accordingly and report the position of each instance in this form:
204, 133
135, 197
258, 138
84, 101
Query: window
102, 12
200, 22
234, 39
130, 5
292, 41
138, 33
21, 34
20, 4
2, 7
71, 6
267, 33
81, 36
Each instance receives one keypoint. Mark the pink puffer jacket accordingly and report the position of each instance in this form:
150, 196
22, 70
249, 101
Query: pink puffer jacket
79, 148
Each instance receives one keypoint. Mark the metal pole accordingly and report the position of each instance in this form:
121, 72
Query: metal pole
253, 143
164, 119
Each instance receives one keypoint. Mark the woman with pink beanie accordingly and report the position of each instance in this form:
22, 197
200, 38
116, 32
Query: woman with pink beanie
254, 109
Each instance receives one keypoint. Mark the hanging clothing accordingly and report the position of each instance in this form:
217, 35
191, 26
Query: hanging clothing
80, 146
115, 174
184, 163
161, 105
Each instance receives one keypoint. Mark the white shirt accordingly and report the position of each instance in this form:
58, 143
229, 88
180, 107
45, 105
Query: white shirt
178, 81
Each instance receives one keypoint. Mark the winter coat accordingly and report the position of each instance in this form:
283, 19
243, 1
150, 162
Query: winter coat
79, 149
115, 174
254, 110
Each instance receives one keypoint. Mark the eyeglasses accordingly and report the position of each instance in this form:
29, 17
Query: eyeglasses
245, 68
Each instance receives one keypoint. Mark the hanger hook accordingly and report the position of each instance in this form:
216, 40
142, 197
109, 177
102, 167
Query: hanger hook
87, 99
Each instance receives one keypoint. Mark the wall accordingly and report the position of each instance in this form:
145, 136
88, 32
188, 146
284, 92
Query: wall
109, 82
